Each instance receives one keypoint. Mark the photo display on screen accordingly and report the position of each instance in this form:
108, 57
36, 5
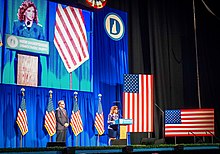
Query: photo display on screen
49, 45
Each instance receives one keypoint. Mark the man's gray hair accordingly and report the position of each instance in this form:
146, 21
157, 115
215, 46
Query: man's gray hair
60, 101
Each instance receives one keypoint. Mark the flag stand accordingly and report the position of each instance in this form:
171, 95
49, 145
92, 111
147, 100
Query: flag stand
99, 120
77, 140
75, 93
50, 119
75, 120
21, 142
22, 92
163, 120
70, 80
98, 140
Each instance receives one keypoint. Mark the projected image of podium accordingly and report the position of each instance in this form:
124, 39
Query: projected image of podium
123, 127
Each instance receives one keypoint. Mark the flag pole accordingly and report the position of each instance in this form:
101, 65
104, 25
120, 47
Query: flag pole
71, 81
22, 93
98, 140
75, 96
21, 141
50, 93
100, 98
163, 120
197, 60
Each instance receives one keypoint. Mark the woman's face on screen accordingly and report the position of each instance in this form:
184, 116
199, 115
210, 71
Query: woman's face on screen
30, 13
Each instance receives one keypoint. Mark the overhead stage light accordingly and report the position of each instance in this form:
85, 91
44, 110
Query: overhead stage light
97, 4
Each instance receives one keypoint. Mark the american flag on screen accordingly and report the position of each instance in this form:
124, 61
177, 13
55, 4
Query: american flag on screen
75, 120
50, 119
22, 117
99, 120
70, 37
138, 102
189, 122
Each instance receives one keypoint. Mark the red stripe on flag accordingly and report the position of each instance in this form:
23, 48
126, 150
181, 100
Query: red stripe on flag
22, 121
99, 123
76, 123
145, 107
144, 85
199, 122
50, 123
70, 37
64, 24
139, 106
84, 39
66, 46
58, 46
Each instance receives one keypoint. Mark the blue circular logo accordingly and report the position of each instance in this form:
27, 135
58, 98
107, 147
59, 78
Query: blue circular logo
114, 26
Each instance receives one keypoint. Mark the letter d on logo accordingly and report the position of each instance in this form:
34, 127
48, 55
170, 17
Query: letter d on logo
114, 26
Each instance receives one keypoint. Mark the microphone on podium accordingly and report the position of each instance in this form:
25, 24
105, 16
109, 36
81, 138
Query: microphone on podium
119, 114
28, 25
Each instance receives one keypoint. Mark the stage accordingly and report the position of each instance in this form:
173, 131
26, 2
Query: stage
153, 149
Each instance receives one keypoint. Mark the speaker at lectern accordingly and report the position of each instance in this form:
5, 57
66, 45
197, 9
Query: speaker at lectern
123, 126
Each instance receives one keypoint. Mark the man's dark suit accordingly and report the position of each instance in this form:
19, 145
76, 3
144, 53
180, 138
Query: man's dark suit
61, 119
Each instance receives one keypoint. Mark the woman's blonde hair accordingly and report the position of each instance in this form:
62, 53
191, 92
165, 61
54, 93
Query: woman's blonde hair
112, 109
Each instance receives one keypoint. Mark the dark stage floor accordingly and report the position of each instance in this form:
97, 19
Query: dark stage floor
152, 149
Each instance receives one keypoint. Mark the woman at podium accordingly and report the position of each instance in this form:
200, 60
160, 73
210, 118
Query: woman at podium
27, 24
112, 127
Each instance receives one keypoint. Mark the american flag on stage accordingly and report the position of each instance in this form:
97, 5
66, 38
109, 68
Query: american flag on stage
22, 117
138, 102
50, 119
1, 40
189, 122
75, 120
99, 120
70, 37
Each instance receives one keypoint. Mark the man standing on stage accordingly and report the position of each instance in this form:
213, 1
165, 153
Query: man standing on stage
61, 122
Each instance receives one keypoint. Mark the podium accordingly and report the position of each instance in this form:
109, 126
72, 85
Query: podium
123, 126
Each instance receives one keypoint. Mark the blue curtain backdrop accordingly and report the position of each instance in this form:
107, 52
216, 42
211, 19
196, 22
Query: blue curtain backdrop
110, 60
109, 64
